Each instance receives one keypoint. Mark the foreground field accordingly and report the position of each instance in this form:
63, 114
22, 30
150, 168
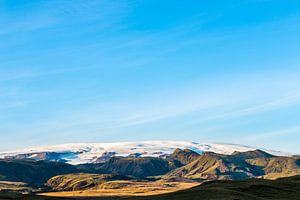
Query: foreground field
252, 189
126, 188
14, 186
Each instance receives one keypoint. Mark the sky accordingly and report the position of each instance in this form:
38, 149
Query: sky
129, 70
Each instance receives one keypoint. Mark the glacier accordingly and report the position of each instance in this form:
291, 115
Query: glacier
81, 153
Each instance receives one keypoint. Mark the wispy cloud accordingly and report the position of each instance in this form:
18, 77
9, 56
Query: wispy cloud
51, 14
272, 134
277, 103
176, 111
31, 73
93, 68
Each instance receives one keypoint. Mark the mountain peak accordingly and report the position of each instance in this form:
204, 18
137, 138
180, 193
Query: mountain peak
184, 156
257, 153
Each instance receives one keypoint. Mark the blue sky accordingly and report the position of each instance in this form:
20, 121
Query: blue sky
123, 70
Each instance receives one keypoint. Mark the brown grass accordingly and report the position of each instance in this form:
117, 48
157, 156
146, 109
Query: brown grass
127, 188
14, 186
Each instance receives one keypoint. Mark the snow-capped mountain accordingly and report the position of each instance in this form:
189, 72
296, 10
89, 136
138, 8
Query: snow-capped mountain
98, 152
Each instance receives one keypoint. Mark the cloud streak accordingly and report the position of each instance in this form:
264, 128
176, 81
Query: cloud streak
272, 134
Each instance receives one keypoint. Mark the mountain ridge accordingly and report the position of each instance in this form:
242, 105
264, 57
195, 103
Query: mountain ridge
81, 153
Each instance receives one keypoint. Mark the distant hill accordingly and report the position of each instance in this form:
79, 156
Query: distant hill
252, 154
138, 167
277, 167
32, 172
181, 165
72, 182
38, 172
239, 165
211, 166
183, 156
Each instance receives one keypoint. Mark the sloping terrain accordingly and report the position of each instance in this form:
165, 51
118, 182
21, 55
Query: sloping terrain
251, 154
277, 167
72, 182
183, 156
138, 167
208, 166
37, 173
181, 165
239, 165
211, 166
186, 164
32, 172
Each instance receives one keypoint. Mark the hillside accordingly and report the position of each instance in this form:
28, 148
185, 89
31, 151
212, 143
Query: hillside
138, 167
239, 165
32, 172
72, 182
181, 165
109, 185
277, 167
211, 166
252, 154
183, 156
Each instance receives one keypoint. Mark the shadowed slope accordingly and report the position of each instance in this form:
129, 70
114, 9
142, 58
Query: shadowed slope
32, 172
277, 167
138, 167
211, 166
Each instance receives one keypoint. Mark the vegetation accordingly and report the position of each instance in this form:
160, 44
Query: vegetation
134, 176
81, 181
238, 166
183, 156
32, 172
252, 189
138, 167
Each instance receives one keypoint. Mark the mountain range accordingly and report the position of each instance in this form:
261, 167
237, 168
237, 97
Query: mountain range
101, 152
138, 168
